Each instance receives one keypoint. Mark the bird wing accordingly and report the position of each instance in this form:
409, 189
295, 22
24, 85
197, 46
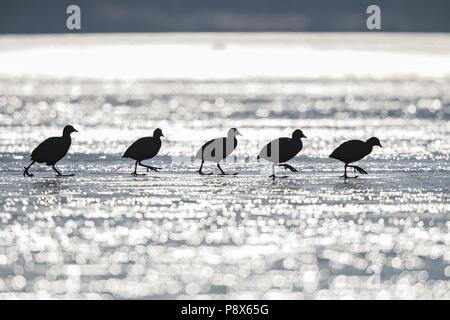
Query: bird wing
50, 150
350, 151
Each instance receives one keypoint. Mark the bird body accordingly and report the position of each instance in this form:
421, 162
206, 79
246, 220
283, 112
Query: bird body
143, 149
287, 149
282, 150
218, 149
352, 151
52, 150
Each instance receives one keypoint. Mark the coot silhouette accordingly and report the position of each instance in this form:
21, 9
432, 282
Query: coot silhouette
354, 150
51, 151
143, 149
218, 149
282, 150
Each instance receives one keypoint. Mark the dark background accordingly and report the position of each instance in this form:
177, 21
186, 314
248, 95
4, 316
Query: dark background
49, 16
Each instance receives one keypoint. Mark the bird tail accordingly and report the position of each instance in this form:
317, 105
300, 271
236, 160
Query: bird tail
199, 154
332, 155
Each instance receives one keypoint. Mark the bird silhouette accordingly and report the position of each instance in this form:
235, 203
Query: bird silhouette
354, 150
282, 150
51, 151
143, 149
218, 149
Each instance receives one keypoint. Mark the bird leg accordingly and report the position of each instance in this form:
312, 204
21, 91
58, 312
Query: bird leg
286, 166
149, 167
273, 173
273, 176
134, 173
59, 174
202, 173
345, 176
223, 172
26, 173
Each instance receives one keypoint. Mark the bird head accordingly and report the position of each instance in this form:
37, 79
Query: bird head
298, 134
374, 141
68, 130
233, 132
158, 133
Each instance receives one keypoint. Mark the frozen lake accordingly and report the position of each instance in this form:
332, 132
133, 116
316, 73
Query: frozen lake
175, 234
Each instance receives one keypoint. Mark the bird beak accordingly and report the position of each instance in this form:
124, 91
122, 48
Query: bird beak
238, 133
303, 136
75, 130
380, 145
162, 135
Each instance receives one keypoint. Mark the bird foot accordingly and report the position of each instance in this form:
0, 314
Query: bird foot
359, 169
274, 176
134, 174
27, 174
227, 174
204, 174
65, 175
156, 169
345, 177
287, 166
